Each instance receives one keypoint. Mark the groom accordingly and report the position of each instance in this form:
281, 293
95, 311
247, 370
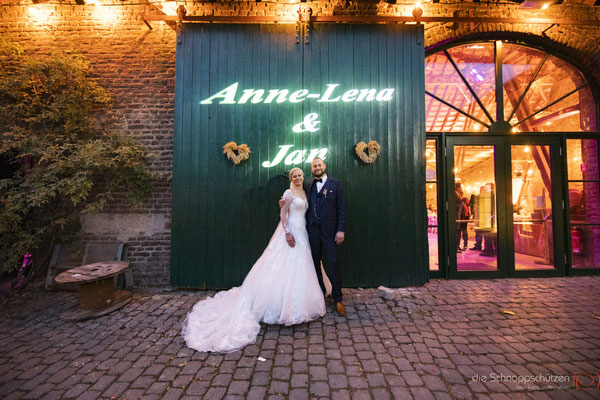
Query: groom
326, 224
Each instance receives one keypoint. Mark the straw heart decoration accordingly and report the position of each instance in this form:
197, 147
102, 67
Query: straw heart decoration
243, 152
368, 153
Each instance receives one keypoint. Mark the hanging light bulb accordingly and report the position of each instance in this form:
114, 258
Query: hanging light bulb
417, 12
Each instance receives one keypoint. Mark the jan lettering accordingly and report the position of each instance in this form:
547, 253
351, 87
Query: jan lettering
295, 157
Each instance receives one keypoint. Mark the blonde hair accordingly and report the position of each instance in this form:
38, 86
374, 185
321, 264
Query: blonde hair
292, 188
294, 170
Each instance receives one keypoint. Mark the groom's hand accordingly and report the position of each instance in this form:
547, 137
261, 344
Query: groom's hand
290, 239
281, 202
339, 238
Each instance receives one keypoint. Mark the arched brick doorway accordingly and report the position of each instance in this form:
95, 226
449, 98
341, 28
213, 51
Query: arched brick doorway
512, 129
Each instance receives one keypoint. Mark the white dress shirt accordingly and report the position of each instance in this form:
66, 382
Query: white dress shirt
322, 183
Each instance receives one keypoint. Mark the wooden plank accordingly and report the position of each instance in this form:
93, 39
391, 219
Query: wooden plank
230, 202
178, 205
185, 172
359, 219
419, 200
197, 174
397, 214
199, 256
365, 19
344, 142
245, 227
217, 162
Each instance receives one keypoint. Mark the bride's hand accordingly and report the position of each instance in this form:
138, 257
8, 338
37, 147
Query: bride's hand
290, 239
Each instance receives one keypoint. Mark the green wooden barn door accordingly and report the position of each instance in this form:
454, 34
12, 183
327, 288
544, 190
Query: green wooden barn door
253, 84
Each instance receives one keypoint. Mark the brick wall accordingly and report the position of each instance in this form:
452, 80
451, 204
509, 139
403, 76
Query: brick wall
137, 65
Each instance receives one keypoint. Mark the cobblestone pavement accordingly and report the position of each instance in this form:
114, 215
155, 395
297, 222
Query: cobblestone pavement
446, 340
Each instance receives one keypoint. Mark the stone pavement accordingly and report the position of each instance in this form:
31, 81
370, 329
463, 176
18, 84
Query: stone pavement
446, 340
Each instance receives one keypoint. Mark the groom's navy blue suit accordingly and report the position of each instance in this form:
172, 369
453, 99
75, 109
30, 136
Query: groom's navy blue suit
326, 215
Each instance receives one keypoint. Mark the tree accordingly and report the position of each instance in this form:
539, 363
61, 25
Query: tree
59, 161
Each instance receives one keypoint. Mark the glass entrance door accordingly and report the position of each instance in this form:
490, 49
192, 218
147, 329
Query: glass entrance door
535, 225
474, 208
504, 209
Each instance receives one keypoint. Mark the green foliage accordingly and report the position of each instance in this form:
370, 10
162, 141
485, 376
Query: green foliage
62, 164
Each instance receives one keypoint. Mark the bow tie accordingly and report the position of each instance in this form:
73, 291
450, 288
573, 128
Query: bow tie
318, 180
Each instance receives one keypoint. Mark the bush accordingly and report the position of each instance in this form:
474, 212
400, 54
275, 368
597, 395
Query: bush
61, 162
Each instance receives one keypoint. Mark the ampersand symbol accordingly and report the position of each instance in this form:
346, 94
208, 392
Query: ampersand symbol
309, 124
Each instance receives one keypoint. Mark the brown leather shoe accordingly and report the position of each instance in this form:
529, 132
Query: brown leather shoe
341, 310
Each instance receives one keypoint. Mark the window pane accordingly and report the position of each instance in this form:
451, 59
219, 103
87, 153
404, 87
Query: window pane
442, 80
476, 63
519, 66
432, 215
585, 242
434, 262
441, 118
532, 207
431, 160
432, 203
582, 159
584, 202
564, 116
475, 223
556, 79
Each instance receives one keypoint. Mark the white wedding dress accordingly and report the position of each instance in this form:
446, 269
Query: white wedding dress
281, 288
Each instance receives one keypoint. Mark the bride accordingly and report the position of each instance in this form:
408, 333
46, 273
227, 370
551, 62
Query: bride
281, 288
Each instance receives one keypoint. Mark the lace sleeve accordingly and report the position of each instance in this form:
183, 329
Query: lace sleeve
283, 214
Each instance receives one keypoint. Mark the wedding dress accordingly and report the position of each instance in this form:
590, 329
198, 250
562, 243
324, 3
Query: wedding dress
281, 288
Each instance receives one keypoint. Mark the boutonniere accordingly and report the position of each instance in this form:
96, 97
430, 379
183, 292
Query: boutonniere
325, 193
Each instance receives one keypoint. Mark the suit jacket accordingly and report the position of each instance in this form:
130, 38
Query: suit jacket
326, 209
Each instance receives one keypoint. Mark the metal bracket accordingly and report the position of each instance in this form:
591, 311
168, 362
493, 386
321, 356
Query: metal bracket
303, 23
298, 28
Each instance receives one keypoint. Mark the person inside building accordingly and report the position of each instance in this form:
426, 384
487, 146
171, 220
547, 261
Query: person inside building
458, 191
465, 215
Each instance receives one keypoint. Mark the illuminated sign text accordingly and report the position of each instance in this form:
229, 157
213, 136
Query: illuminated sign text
295, 157
229, 95
310, 123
